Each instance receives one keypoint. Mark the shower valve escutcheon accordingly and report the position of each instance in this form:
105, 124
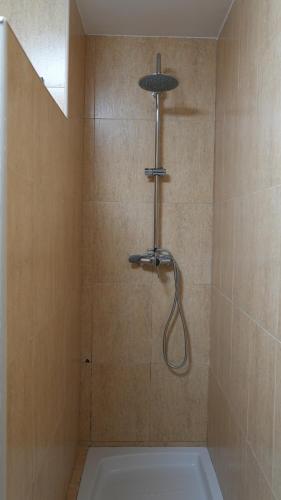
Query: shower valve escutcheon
153, 172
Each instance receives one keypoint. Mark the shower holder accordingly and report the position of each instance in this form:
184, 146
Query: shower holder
153, 172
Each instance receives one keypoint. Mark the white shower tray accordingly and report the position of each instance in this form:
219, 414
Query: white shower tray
149, 474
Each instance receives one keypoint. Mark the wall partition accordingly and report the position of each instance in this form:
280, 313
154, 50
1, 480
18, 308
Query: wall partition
41, 204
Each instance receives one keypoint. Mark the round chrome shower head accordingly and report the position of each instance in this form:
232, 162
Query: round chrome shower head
158, 82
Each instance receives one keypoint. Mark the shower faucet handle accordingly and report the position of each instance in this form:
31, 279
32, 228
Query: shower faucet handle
145, 258
135, 259
152, 172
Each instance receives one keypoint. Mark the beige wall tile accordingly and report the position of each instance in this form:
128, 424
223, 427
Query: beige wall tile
257, 259
187, 232
123, 149
178, 397
218, 421
57, 465
234, 461
121, 323
256, 486
20, 264
245, 85
223, 247
116, 231
237, 179
215, 412
243, 331
221, 331
85, 401
86, 322
187, 154
261, 400
216, 250
46, 247
218, 191
48, 395
227, 444
120, 61
277, 427
90, 77
196, 92
20, 443
135, 57
88, 160
121, 410
268, 149
227, 248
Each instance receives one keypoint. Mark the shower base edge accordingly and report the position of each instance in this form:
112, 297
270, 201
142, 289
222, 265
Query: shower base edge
181, 473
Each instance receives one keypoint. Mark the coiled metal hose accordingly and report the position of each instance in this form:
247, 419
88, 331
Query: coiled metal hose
175, 310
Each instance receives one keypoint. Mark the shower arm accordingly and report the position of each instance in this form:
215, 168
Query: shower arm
157, 165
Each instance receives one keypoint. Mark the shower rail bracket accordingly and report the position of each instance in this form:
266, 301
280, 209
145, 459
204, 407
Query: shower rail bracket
155, 172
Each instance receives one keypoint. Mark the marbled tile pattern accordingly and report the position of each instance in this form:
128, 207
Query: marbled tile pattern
244, 399
128, 395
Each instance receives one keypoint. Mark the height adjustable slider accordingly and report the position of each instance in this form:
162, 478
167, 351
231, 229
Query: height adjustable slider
152, 172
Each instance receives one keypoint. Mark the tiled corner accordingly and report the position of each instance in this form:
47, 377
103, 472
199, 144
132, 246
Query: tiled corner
121, 410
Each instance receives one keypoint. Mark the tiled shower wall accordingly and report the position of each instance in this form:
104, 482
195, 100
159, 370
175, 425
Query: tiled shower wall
128, 394
245, 378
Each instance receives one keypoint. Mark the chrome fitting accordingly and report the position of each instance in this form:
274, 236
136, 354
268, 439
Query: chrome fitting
152, 172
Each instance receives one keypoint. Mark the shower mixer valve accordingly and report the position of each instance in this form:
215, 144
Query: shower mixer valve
152, 257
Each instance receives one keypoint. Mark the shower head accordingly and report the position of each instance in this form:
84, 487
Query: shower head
158, 82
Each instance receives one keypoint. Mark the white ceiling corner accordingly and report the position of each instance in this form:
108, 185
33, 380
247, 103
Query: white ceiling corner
186, 18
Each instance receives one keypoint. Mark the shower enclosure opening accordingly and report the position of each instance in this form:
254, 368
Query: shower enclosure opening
158, 83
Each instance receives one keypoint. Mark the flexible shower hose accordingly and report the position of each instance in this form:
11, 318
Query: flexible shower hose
175, 310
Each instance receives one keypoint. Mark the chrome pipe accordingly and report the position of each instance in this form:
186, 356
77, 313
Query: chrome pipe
156, 178
158, 63
157, 165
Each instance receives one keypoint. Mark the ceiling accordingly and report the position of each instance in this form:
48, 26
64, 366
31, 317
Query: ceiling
188, 18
